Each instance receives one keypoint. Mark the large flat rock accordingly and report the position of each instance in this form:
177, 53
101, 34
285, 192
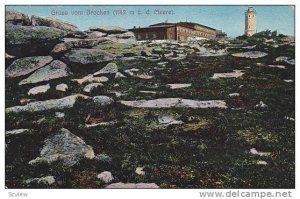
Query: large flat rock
81, 57
54, 70
175, 103
250, 54
52, 104
64, 147
26, 65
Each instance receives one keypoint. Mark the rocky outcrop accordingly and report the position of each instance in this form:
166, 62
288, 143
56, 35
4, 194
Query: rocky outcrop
23, 41
16, 18
109, 29
51, 22
26, 65
54, 70
64, 147
69, 43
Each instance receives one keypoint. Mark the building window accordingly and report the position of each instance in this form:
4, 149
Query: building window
154, 36
146, 36
139, 36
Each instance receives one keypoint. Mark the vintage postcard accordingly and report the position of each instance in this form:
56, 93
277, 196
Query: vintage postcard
149, 96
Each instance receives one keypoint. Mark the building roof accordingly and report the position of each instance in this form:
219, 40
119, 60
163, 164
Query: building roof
192, 24
162, 24
166, 25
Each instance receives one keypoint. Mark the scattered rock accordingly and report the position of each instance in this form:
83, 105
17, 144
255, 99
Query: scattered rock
178, 86
261, 162
91, 79
140, 171
102, 100
249, 47
286, 60
48, 180
54, 70
175, 102
16, 132
277, 66
110, 68
16, 18
168, 120
51, 22
88, 88
119, 75
24, 101
148, 92
234, 74
26, 65
39, 89
52, 104
64, 147
253, 151
121, 185
105, 176
261, 105
289, 118
144, 76
204, 52
234, 95
250, 54
103, 158
59, 115
61, 87
146, 53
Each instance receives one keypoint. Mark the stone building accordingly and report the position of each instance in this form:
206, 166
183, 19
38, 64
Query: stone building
250, 21
180, 31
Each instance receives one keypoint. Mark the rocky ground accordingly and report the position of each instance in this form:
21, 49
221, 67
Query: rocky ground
96, 109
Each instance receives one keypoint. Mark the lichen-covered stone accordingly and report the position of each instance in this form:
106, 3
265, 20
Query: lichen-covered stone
64, 147
26, 65
54, 70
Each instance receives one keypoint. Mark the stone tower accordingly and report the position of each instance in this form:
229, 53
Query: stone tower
250, 22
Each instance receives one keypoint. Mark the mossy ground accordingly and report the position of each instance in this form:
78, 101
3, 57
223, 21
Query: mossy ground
210, 150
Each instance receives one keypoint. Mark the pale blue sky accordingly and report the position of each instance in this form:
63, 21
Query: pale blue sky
230, 19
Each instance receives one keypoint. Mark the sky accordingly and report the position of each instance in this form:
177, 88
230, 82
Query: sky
229, 19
